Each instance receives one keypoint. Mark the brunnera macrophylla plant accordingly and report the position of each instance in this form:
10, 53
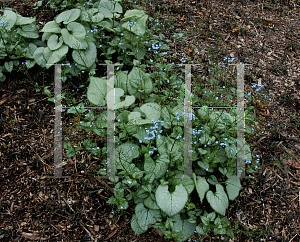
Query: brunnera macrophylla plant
18, 39
83, 35
149, 154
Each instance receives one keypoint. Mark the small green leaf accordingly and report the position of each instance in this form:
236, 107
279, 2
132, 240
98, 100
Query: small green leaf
71, 153
151, 203
212, 180
9, 66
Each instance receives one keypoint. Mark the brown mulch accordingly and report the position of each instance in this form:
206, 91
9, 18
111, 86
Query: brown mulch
34, 207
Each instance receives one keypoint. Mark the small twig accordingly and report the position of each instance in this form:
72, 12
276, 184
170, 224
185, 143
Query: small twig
293, 238
255, 29
87, 232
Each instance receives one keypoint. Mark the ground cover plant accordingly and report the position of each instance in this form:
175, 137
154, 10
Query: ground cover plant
149, 131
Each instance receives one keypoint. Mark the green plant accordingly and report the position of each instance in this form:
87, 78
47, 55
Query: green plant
16, 34
149, 134
150, 114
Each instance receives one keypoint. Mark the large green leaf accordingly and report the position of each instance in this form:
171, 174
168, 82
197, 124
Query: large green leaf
136, 227
108, 9
121, 80
137, 16
57, 55
51, 27
118, 93
68, 16
186, 182
126, 152
10, 18
233, 187
161, 166
201, 186
171, 203
28, 31
86, 57
135, 83
54, 43
184, 226
152, 112
77, 30
41, 56
218, 200
145, 217
75, 40
97, 90
25, 20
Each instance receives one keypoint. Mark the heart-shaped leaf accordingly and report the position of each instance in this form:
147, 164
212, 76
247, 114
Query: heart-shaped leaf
108, 8
41, 56
171, 203
138, 79
126, 152
76, 39
86, 57
218, 200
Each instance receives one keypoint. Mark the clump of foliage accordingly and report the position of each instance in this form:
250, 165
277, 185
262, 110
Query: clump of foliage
150, 119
